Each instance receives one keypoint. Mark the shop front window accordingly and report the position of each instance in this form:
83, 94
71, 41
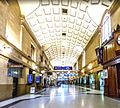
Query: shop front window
15, 72
92, 81
101, 80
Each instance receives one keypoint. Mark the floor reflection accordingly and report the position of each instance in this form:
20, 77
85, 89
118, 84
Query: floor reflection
68, 90
69, 96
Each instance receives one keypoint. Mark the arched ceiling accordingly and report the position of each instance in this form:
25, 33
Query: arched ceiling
63, 27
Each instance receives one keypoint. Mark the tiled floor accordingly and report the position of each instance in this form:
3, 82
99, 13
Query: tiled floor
17, 99
64, 97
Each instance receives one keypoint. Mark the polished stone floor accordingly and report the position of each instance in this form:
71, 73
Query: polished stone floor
67, 96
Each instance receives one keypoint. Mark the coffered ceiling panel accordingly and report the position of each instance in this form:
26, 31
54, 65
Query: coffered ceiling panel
63, 27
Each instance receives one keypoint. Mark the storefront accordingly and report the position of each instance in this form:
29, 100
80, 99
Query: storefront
92, 81
102, 75
84, 80
34, 80
15, 71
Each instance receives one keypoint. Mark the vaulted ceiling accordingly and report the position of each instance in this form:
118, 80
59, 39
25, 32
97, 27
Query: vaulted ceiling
63, 27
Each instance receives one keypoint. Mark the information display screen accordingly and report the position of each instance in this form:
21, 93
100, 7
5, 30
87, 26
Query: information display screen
62, 67
30, 79
37, 79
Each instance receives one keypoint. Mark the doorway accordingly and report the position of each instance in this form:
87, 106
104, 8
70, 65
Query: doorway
118, 78
101, 80
111, 82
92, 81
15, 87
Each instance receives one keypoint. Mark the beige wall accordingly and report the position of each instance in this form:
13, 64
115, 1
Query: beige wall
90, 53
3, 16
19, 39
25, 72
80, 62
26, 42
12, 29
38, 52
13, 23
5, 82
90, 49
23, 81
95, 41
115, 18
4, 79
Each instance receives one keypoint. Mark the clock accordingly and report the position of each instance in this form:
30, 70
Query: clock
118, 39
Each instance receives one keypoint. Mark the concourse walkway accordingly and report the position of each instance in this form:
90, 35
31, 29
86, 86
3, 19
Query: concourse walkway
66, 96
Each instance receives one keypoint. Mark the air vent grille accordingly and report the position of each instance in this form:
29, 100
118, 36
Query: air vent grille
64, 11
64, 34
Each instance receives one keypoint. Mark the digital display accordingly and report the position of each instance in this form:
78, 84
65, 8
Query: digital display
30, 79
37, 79
62, 67
67, 68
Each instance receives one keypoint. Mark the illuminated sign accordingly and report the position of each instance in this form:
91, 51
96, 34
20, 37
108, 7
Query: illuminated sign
37, 79
30, 79
62, 67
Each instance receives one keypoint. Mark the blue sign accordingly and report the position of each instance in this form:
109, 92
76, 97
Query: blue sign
65, 74
37, 79
30, 79
57, 67
62, 67
70, 74
67, 68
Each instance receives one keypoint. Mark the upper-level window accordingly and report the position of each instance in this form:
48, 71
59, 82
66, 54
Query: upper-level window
106, 28
41, 57
32, 52
83, 59
45, 62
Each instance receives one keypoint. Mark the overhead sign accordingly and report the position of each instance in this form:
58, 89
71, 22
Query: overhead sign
62, 67
15, 65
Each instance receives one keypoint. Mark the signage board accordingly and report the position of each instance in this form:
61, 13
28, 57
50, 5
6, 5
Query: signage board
38, 79
30, 79
62, 67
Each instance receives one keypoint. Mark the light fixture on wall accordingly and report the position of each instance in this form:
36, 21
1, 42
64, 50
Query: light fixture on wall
42, 71
82, 71
34, 66
40, 74
90, 66
5, 48
34, 72
8, 50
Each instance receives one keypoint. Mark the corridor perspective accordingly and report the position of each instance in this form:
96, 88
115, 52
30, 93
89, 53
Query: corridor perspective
67, 96
59, 53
